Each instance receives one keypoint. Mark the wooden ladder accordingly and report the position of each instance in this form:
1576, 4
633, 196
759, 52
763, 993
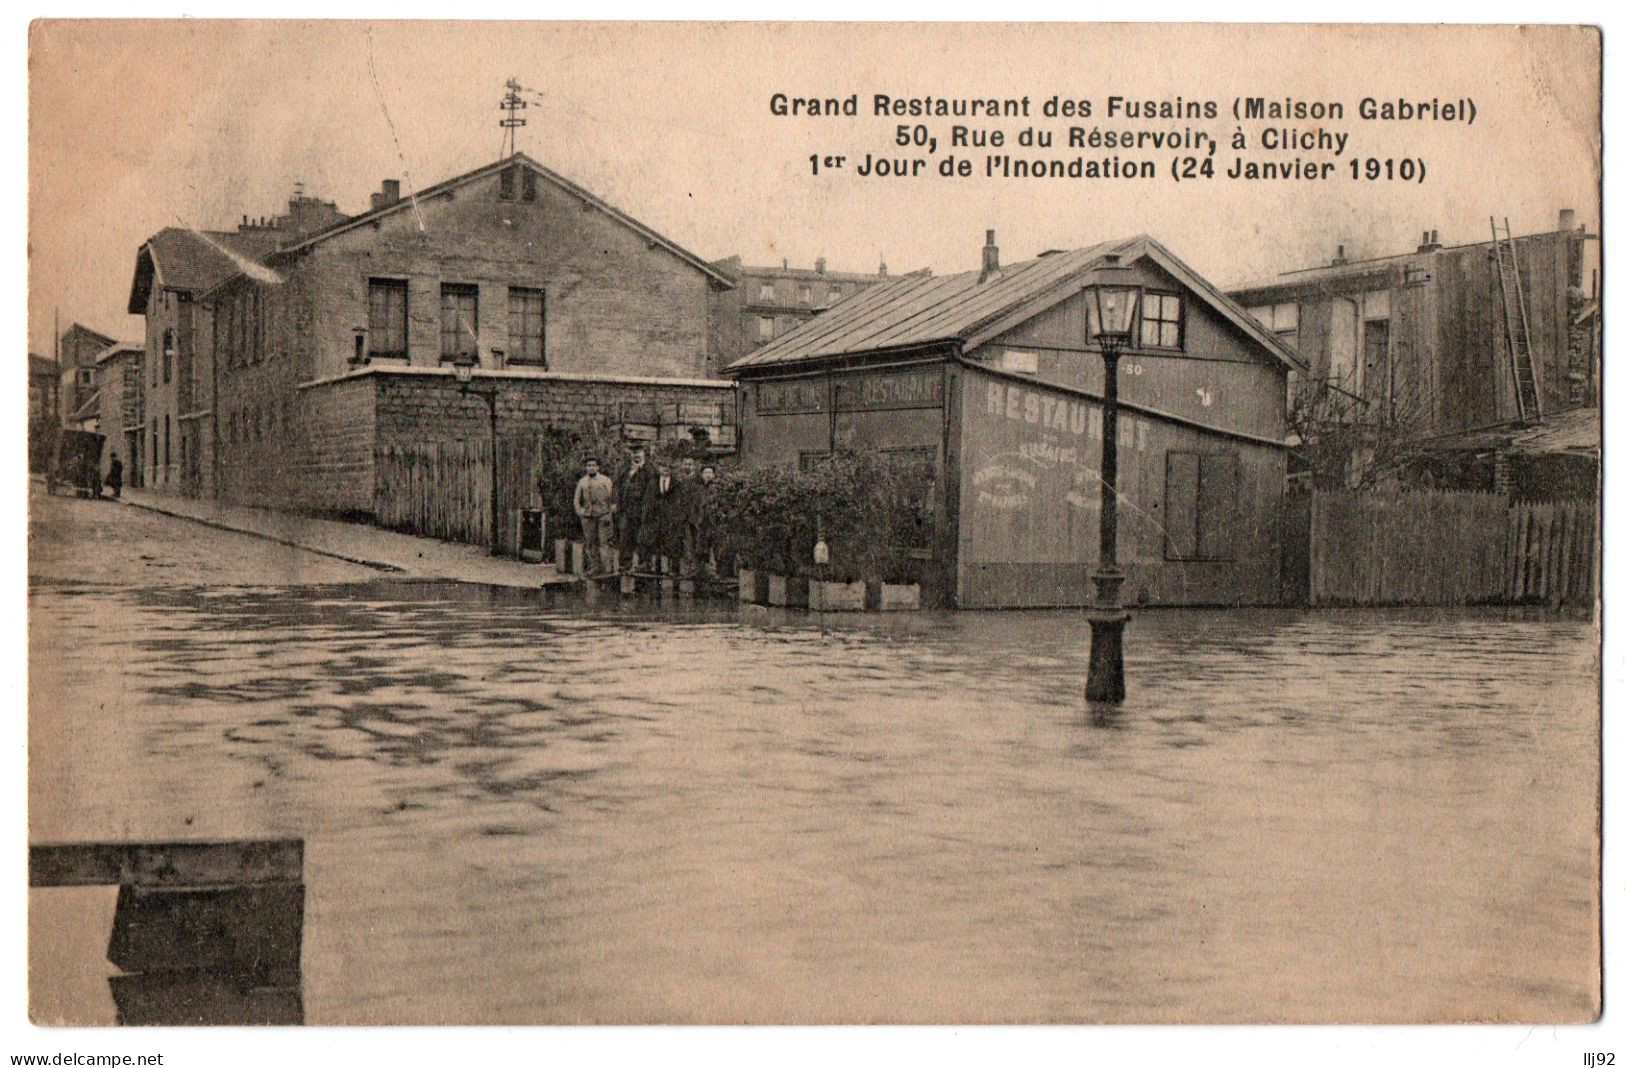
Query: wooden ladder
1515, 320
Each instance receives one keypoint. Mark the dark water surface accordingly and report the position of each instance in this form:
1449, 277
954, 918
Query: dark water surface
522, 810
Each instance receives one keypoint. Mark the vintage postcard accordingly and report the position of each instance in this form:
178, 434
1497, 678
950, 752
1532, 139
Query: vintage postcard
813, 523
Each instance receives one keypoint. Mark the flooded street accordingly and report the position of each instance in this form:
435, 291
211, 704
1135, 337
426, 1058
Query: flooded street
522, 808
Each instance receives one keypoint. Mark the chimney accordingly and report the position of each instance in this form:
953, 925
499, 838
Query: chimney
1565, 219
990, 259
392, 191
1339, 259
818, 265
377, 201
1430, 241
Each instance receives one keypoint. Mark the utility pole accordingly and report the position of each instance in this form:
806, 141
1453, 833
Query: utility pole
513, 104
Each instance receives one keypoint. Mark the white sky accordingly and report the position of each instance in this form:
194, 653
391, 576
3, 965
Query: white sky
140, 125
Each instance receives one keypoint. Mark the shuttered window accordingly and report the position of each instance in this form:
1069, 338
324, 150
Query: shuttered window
386, 316
527, 326
1200, 506
459, 320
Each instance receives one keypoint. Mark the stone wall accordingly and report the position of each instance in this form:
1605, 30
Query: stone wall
346, 420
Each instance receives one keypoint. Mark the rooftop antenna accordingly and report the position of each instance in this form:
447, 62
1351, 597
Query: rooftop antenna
512, 104
298, 190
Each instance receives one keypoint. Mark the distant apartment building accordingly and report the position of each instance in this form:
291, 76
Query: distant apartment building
768, 302
78, 348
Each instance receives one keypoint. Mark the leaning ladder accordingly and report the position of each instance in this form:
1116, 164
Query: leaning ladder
1515, 320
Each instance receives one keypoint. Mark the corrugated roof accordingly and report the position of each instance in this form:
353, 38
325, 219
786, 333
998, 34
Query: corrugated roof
919, 310
916, 311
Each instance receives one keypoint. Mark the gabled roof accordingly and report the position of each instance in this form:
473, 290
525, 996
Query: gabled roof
39, 365
81, 328
919, 311
405, 204
193, 261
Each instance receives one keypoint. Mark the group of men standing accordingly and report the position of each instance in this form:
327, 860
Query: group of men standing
649, 517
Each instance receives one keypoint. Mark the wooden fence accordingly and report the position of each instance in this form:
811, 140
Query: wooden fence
442, 489
1450, 548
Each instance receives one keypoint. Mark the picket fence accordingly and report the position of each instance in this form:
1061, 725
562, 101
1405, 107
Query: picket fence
1450, 548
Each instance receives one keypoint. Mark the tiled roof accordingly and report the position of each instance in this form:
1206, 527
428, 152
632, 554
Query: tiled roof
921, 310
194, 261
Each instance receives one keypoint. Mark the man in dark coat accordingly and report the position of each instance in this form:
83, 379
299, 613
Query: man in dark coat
663, 521
115, 476
630, 490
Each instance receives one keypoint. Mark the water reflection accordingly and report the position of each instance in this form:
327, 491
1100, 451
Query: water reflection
521, 808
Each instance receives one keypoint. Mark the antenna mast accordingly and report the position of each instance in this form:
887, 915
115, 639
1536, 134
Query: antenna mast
512, 104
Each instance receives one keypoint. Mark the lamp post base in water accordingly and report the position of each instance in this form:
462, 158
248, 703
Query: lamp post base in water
1106, 624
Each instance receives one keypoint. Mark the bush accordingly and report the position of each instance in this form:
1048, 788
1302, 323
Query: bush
867, 506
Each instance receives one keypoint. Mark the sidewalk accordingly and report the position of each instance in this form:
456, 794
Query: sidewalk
385, 550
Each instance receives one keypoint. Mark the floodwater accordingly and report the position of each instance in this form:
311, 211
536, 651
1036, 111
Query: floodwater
520, 809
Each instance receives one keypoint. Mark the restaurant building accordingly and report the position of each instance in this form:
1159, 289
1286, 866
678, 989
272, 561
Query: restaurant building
994, 378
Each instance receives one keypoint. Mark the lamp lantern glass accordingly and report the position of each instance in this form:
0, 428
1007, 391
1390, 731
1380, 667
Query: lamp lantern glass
1111, 310
463, 364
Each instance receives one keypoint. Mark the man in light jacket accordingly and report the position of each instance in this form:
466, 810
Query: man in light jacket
595, 505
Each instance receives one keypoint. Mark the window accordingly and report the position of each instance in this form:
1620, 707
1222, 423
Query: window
1376, 360
766, 293
459, 320
1161, 317
835, 293
527, 331
764, 328
1280, 319
168, 456
804, 294
87, 376
509, 181
528, 184
1201, 508
386, 316
169, 350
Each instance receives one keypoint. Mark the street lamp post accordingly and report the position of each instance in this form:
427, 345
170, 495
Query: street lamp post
1111, 308
463, 364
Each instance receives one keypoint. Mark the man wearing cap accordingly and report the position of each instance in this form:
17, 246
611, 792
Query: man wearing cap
595, 505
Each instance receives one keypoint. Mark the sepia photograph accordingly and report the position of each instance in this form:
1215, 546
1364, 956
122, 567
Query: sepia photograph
761, 523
